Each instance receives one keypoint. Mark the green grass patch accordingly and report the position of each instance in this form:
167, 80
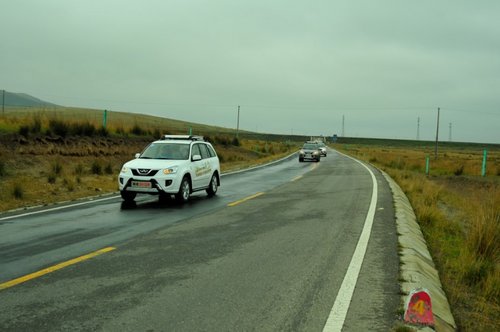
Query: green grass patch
18, 191
3, 170
96, 168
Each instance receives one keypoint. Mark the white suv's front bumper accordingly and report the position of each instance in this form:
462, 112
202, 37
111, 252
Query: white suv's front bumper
168, 184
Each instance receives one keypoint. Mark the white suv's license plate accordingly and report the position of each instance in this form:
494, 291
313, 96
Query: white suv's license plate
141, 184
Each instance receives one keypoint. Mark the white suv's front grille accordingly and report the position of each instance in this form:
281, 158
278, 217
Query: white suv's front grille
144, 172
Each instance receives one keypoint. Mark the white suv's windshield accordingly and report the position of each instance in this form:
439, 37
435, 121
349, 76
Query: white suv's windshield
174, 151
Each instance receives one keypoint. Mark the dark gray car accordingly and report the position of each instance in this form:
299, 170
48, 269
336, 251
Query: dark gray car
310, 151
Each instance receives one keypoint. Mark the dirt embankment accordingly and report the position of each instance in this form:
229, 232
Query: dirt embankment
45, 169
71, 146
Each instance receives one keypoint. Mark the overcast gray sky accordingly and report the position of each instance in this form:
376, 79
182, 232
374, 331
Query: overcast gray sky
292, 66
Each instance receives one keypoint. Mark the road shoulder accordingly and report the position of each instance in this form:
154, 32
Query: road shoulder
417, 268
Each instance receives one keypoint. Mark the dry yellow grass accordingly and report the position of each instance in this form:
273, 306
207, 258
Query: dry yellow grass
117, 122
459, 213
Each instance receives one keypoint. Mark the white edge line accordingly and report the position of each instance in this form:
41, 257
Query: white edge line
339, 310
57, 208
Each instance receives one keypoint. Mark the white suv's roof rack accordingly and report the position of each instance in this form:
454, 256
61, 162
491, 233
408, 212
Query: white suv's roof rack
183, 137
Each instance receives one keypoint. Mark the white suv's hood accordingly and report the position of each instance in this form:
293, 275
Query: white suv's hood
153, 163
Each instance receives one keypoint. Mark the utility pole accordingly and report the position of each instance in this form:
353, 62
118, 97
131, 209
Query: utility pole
343, 132
437, 137
449, 138
238, 122
418, 129
3, 101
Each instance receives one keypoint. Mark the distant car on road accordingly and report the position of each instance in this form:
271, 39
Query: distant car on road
175, 165
322, 147
310, 151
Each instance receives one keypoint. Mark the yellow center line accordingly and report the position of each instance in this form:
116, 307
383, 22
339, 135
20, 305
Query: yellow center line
245, 199
53, 268
296, 178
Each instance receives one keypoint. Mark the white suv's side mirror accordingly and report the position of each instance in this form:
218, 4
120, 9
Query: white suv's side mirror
137, 155
196, 157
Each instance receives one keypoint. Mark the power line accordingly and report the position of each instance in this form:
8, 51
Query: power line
299, 107
472, 111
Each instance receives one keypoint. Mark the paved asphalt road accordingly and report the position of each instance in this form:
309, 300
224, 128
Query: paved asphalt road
275, 262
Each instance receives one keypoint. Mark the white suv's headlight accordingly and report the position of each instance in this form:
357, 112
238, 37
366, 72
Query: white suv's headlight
171, 170
124, 169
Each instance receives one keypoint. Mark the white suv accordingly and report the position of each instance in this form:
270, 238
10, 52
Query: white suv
175, 165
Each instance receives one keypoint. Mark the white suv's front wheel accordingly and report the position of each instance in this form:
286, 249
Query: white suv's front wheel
184, 191
128, 196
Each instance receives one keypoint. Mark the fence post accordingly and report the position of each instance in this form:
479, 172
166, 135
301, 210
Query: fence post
427, 165
483, 169
104, 119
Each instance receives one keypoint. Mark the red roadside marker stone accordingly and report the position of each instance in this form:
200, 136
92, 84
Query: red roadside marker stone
418, 308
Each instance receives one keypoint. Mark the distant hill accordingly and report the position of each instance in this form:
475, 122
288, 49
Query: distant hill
21, 100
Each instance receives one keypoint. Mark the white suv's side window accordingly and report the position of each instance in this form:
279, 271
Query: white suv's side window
195, 150
211, 151
204, 151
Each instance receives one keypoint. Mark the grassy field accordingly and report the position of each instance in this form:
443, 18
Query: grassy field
116, 122
459, 213
16, 120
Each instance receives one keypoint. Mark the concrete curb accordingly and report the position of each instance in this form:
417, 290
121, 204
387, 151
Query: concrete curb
416, 266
